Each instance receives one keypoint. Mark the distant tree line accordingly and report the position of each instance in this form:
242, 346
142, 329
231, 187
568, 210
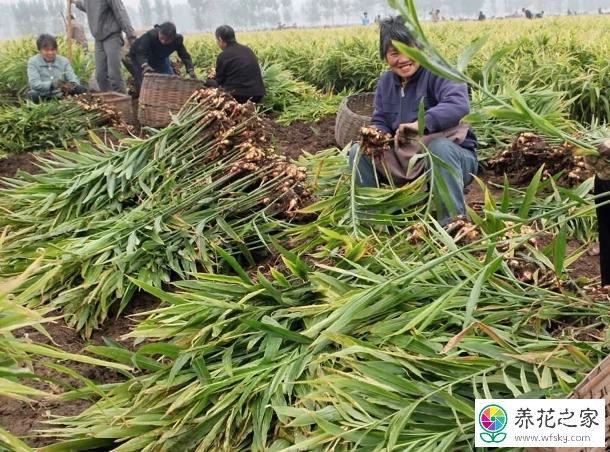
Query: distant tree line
33, 16
155, 12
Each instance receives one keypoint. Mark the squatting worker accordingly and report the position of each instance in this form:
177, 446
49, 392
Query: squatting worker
451, 145
107, 20
50, 76
237, 68
151, 51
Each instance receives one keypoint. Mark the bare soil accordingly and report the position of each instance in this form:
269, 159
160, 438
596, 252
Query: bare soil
586, 266
300, 138
25, 162
24, 419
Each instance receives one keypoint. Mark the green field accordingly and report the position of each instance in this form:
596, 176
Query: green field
294, 310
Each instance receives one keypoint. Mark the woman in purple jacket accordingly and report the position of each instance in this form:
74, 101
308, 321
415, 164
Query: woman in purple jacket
397, 98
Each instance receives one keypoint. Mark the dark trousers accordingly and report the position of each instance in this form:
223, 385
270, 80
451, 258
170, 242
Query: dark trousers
603, 224
37, 97
160, 67
244, 99
462, 166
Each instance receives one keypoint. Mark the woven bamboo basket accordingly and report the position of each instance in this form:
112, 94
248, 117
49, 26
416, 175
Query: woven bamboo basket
354, 112
120, 102
596, 385
163, 95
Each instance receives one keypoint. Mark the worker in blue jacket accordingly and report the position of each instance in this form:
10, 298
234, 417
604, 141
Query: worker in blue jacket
399, 93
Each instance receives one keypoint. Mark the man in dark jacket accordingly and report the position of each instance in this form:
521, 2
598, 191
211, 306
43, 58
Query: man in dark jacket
397, 99
107, 19
151, 51
237, 68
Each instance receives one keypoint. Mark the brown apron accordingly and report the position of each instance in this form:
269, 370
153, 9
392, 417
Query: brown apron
394, 164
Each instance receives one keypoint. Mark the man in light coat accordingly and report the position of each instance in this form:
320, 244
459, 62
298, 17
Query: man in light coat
107, 20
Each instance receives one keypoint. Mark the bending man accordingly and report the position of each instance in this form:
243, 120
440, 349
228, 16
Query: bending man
151, 51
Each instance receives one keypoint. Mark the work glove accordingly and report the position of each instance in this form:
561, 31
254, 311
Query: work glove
192, 74
67, 87
147, 69
57, 83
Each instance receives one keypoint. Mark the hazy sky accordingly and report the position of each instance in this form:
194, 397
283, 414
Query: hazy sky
300, 13
127, 2
548, 3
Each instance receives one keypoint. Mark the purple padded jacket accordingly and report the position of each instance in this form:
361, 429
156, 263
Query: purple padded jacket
446, 103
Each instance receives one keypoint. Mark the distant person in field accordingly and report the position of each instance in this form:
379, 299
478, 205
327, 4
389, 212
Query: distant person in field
150, 53
482, 16
397, 98
237, 68
528, 14
108, 19
365, 19
601, 165
78, 34
51, 76
436, 15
